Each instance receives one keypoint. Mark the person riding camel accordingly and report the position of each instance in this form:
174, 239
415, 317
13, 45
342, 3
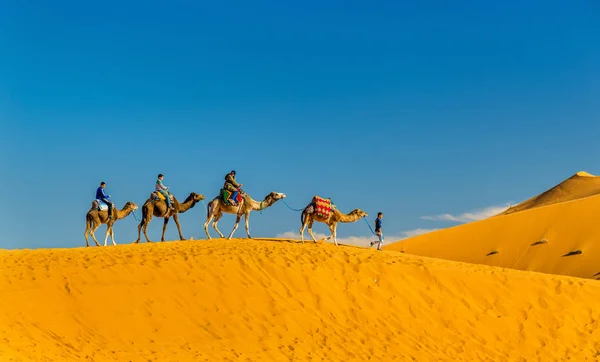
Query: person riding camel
104, 198
232, 186
164, 190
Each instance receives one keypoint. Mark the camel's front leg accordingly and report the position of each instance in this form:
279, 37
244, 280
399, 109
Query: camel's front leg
107, 234
246, 216
237, 222
112, 235
310, 225
176, 218
333, 228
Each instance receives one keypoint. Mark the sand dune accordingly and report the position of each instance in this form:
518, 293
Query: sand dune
562, 220
250, 300
578, 186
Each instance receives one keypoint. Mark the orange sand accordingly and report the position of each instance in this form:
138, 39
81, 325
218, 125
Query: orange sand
533, 236
252, 300
578, 186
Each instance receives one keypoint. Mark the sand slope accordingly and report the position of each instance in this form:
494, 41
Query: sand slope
250, 300
536, 238
578, 186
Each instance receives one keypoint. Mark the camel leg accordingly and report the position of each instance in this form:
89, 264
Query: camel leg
237, 222
85, 234
112, 235
176, 218
333, 228
107, 234
94, 228
208, 220
164, 228
302, 229
310, 225
246, 216
214, 225
142, 223
145, 227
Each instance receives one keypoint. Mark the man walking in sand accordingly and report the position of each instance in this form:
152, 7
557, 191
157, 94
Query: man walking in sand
378, 231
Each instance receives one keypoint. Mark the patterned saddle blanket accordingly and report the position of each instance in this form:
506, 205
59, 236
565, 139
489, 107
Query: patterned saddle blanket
322, 206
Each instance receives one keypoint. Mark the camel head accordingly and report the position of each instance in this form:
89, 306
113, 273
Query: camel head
359, 213
130, 206
275, 196
195, 197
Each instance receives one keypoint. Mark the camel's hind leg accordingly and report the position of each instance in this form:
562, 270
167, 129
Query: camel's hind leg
215, 226
142, 226
310, 225
145, 227
94, 228
87, 230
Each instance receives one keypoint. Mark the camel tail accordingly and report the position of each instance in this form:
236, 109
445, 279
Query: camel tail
302, 218
208, 206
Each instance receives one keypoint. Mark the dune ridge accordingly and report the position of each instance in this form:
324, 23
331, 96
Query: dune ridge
580, 185
555, 232
248, 300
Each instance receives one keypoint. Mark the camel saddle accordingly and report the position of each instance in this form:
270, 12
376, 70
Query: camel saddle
322, 206
101, 206
226, 194
159, 196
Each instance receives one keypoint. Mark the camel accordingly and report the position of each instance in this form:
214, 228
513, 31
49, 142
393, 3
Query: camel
95, 218
217, 207
308, 219
159, 208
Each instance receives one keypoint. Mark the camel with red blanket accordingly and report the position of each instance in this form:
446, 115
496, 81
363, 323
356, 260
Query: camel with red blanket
322, 210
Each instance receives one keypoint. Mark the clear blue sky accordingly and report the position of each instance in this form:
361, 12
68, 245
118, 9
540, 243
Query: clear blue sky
410, 109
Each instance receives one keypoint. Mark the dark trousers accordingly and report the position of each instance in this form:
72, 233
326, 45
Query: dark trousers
110, 207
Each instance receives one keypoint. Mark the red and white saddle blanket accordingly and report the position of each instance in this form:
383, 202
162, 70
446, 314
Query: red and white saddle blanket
322, 206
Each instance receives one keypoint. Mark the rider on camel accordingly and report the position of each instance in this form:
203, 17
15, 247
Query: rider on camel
232, 186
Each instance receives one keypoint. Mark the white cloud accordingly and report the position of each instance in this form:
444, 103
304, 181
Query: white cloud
475, 215
415, 232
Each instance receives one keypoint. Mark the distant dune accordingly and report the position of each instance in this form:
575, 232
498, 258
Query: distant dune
578, 186
555, 232
253, 300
